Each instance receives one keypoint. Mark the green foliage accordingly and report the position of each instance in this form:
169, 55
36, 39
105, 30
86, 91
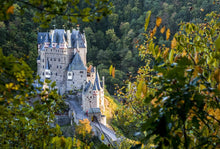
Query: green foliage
70, 10
180, 92
26, 115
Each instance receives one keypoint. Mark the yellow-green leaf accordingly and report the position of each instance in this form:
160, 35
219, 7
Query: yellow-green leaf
110, 70
171, 56
147, 20
217, 43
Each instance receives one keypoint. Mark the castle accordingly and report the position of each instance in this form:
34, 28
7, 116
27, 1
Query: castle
62, 58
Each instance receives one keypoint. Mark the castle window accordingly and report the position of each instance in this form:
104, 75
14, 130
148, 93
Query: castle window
90, 96
56, 74
51, 50
47, 73
81, 72
73, 74
54, 59
81, 76
43, 66
50, 65
43, 73
51, 73
50, 59
69, 74
60, 67
59, 58
73, 82
43, 60
57, 66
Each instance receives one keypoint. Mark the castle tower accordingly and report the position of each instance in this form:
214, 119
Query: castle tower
95, 97
78, 72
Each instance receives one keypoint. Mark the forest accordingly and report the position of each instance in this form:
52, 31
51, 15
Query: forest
166, 61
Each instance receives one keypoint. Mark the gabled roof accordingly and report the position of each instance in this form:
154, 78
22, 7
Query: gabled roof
59, 36
43, 37
76, 63
77, 39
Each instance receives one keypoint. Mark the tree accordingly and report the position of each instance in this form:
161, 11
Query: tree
26, 114
181, 90
70, 10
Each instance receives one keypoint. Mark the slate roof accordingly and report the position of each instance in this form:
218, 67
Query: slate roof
92, 70
94, 110
87, 86
76, 63
60, 36
41, 37
77, 39
97, 81
94, 87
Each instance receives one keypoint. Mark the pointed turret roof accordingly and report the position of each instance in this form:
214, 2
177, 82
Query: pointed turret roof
94, 87
87, 86
97, 80
77, 63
